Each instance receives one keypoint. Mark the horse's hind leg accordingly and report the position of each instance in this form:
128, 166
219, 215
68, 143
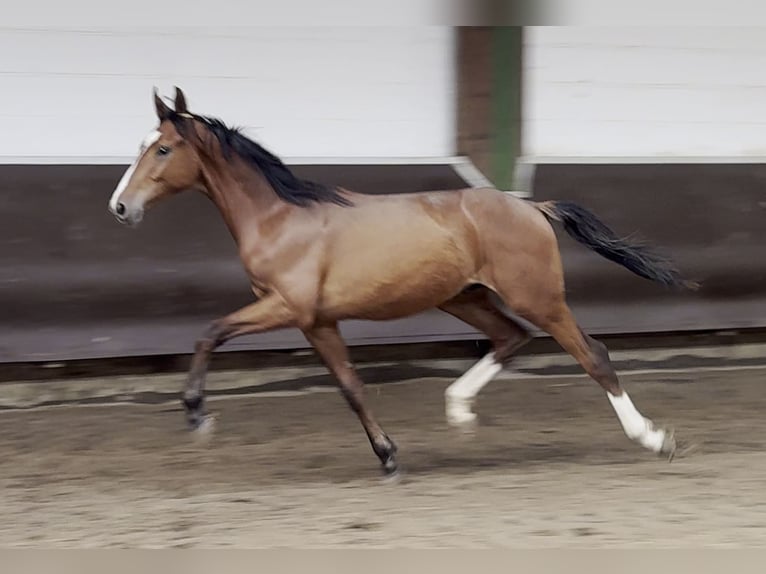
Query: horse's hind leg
594, 358
476, 308
523, 265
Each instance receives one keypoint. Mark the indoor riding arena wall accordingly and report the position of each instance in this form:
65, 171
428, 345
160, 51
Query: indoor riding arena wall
76, 285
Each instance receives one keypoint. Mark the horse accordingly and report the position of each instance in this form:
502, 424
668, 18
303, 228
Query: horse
317, 255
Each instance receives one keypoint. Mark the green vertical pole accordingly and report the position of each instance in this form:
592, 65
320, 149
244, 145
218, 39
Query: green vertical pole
505, 103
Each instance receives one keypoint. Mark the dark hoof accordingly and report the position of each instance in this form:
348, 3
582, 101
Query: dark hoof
391, 475
195, 418
203, 428
392, 478
390, 468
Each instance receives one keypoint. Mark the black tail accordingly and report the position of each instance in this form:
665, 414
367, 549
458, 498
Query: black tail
587, 229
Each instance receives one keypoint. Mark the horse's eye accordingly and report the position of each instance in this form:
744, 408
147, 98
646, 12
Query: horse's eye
163, 150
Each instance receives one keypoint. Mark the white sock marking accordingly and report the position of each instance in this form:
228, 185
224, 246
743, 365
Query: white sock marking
636, 426
146, 144
459, 395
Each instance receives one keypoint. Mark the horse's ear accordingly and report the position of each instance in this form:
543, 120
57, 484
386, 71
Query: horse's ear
163, 110
181, 107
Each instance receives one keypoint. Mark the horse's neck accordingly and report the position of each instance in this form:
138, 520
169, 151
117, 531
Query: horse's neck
244, 198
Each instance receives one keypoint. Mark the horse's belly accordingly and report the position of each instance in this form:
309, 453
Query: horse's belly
387, 286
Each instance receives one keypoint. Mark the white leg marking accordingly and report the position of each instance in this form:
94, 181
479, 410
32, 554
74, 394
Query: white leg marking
459, 395
146, 144
636, 426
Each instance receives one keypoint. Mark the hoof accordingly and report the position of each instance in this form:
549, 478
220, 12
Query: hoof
459, 413
392, 474
204, 429
390, 469
464, 432
683, 449
394, 477
669, 445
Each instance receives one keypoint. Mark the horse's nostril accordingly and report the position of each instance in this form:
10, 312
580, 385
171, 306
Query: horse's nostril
120, 209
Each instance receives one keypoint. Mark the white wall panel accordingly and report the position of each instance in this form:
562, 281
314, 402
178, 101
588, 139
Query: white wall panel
644, 91
303, 92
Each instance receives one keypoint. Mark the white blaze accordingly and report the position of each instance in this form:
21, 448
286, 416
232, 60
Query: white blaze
146, 144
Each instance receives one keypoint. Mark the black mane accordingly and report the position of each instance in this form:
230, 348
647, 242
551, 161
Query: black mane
285, 183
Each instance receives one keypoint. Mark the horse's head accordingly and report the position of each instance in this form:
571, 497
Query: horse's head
166, 164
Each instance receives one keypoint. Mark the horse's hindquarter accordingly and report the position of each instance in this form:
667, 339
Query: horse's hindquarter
519, 249
392, 256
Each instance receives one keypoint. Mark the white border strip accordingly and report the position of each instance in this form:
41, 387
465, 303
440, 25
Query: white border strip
648, 160
466, 169
471, 174
340, 160
463, 166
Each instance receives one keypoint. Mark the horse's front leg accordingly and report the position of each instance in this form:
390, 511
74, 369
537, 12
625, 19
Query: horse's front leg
269, 312
329, 344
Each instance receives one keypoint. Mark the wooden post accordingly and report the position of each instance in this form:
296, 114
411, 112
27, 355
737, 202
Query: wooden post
489, 99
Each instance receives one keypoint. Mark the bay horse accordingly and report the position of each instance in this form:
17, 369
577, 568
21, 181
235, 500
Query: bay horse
317, 255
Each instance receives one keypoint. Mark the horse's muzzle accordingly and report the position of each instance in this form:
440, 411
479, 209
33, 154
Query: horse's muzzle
126, 216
